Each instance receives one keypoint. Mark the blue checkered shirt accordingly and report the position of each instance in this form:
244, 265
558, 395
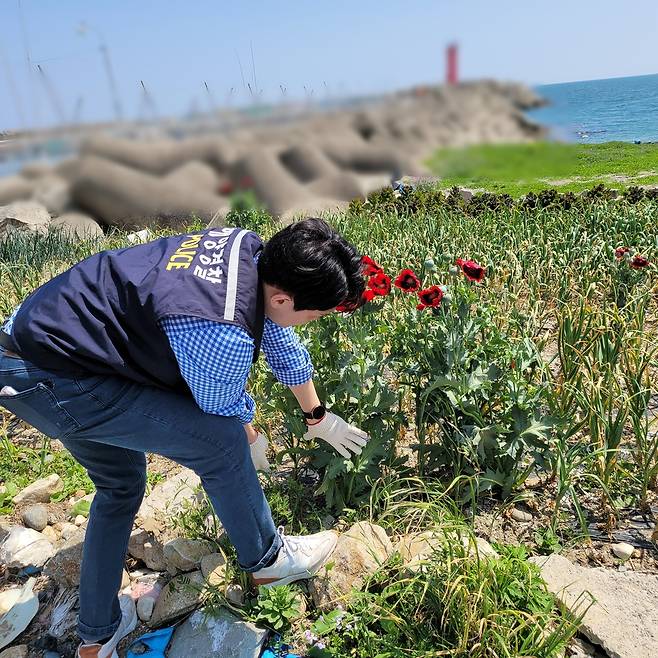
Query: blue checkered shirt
215, 360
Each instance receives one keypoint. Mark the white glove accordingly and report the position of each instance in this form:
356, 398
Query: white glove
258, 451
339, 434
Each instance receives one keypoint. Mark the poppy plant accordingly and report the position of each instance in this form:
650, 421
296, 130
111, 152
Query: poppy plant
380, 284
407, 281
366, 296
620, 252
430, 297
639, 262
346, 308
370, 268
472, 270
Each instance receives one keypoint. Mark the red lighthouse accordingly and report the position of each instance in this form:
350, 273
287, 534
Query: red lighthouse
451, 64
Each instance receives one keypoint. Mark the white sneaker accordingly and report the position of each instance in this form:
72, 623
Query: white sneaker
298, 558
127, 625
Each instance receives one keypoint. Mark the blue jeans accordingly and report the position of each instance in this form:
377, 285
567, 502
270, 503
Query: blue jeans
108, 423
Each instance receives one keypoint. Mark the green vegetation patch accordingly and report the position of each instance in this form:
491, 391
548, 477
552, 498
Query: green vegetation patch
519, 168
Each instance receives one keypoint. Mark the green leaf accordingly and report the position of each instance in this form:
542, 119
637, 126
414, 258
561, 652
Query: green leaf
82, 508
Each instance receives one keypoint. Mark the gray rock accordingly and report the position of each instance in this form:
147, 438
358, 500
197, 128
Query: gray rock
359, 552
235, 595
25, 547
179, 597
623, 616
20, 651
223, 636
64, 567
136, 543
416, 548
167, 499
154, 556
67, 530
35, 517
213, 568
520, 516
50, 534
185, 554
78, 225
622, 550
24, 216
41, 490
466, 194
145, 606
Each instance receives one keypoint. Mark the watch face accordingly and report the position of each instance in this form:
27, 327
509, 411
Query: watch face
318, 413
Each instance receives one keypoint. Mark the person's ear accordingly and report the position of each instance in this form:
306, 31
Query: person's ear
280, 299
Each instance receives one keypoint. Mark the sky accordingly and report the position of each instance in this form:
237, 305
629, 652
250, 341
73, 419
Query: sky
307, 50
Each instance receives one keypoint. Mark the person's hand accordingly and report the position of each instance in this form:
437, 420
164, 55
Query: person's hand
251, 432
340, 435
258, 453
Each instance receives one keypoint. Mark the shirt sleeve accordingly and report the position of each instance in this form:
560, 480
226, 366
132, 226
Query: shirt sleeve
215, 360
285, 355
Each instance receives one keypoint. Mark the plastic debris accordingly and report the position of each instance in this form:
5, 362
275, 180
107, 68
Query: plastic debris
152, 645
17, 609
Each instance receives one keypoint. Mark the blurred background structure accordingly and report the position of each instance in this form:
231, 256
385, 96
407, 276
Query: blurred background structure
116, 114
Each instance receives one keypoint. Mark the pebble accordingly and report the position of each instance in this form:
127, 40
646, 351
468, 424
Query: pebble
68, 530
622, 550
35, 517
145, 606
79, 520
521, 516
50, 533
235, 595
39, 491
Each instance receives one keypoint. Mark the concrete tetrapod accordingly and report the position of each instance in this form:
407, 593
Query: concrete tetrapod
120, 196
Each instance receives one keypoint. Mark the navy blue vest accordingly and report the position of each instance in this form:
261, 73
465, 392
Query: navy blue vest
101, 316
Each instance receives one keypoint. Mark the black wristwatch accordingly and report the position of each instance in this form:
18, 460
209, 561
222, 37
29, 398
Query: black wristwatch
315, 414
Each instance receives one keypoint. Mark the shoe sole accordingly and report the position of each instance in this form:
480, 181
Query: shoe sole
305, 575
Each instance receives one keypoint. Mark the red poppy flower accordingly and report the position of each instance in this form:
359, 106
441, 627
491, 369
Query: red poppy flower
380, 284
346, 308
407, 281
370, 268
473, 271
368, 295
430, 297
620, 252
639, 262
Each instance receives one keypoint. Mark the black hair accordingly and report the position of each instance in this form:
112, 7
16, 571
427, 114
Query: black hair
315, 265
